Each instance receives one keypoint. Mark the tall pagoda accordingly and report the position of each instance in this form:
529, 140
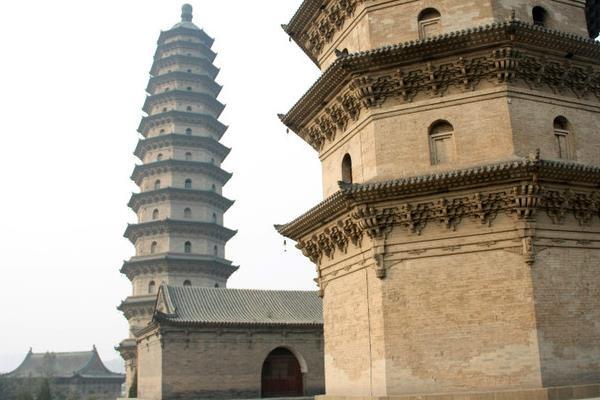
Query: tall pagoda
179, 238
458, 244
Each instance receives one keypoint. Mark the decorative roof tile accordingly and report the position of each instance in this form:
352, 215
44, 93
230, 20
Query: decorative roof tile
238, 307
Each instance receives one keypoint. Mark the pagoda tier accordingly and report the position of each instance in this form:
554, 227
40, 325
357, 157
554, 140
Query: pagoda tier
179, 236
163, 65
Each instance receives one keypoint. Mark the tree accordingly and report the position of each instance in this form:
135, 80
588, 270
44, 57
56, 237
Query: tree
44, 392
24, 394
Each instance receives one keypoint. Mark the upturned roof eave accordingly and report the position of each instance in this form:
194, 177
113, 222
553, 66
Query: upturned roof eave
503, 172
212, 69
184, 76
224, 204
207, 99
340, 71
212, 144
200, 33
209, 120
297, 24
208, 168
222, 266
207, 228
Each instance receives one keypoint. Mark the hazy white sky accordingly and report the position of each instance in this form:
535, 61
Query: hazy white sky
73, 78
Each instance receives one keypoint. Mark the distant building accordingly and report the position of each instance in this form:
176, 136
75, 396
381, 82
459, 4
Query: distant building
201, 340
82, 373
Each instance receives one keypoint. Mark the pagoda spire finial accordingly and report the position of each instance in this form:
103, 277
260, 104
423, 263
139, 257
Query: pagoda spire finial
186, 13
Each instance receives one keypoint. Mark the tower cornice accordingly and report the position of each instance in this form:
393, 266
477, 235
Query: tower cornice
514, 171
182, 263
347, 70
167, 226
182, 31
182, 116
209, 67
204, 98
184, 44
158, 167
182, 76
168, 194
174, 139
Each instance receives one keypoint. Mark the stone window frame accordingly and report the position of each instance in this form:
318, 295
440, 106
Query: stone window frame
424, 22
564, 145
435, 137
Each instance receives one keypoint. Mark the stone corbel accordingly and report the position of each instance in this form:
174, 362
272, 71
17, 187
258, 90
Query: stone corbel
379, 251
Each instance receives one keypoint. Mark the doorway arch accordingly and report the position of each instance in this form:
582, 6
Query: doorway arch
281, 375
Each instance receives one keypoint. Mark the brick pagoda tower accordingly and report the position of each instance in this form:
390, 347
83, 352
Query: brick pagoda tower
458, 244
179, 238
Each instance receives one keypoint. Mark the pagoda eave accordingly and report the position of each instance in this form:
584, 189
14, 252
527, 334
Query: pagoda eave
208, 67
168, 194
183, 263
174, 139
204, 98
183, 117
182, 44
184, 76
145, 170
154, 228
506, 172
511, 33
182, 31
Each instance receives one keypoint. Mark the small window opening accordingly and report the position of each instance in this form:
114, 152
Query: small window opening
189, 88
188, 184
153, 248
187, 247
157, 184
347, 169
187, 284
188, 156
540, 16
214, 217
214, 187
155, 214
188, 108
216, 250
441, 141
563, 138
162, 132
159, 157
188, 131
187, 213
152, 287
216, 286
430, 23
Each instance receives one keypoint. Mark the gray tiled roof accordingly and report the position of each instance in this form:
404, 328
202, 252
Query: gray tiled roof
240, 307
63, 365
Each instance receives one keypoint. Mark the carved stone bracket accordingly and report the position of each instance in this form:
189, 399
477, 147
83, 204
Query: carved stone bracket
369, 90
376, 223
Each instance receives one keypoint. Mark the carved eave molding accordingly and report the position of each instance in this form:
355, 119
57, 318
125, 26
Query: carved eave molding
317, 21
182, 31
184, 263
170, 226
366, 80
183, 44
184, 76
128, 349
160, 167
174, 139
182, 117
356, 196
184, 95
137, 306
139, 200
206, 65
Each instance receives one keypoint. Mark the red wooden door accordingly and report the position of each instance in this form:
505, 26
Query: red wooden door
281, 375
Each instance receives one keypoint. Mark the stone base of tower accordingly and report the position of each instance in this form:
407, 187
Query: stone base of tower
558, 393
